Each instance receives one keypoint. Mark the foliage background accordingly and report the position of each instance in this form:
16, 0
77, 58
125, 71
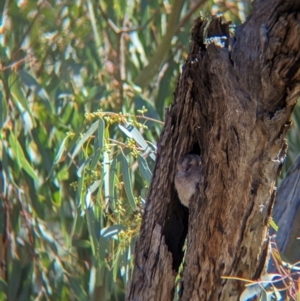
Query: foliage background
83, 87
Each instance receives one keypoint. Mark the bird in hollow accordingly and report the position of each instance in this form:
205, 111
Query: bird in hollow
187, 177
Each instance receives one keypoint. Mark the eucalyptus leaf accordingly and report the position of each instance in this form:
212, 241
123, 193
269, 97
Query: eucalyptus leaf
85, 137
81, 243
144, 169
98, 144
110, 231
95, 159
112, 173
3, 110
94, 186
127, 182
3, 286
18, 96
99, 138
32, 83
14, 280
6, 167
134, 134
77, 288
20, 157
91, 220
61, 150
106, 171
79, 199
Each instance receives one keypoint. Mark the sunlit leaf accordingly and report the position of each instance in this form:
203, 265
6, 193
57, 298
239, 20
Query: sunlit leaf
79, 199
112, 173
106, 177
111, 231
61, 150
273, 224
94, 186
85, 137
133, 133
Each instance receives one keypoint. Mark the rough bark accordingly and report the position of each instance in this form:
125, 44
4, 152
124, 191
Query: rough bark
232, 105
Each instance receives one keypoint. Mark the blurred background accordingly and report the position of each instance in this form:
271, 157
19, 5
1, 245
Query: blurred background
83, 89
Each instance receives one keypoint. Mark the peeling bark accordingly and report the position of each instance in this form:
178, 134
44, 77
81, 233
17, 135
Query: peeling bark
232, 106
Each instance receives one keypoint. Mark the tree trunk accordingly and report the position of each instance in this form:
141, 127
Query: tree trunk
232, 106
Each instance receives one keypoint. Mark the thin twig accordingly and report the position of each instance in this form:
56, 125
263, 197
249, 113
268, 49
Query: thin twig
188, 15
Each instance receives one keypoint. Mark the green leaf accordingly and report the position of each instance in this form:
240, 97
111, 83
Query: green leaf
111, 231
133, 133
112, 172
46, 283
60, 150
79, 243
138, 47
77, 288
106, 172
6, 167
59, 277
18, 96
273, 224
20, 157
81, 168
103, 248
3, 289
79, 199
98, 144
3, 188
117, 264
94, 186
14, 280
44, 233
127, 182
95, 159
32, 83
91, 228
100, 134
3, 110
44, 151
85, 137
144, 169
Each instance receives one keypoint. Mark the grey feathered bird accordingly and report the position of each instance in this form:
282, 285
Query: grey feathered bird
187, 178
